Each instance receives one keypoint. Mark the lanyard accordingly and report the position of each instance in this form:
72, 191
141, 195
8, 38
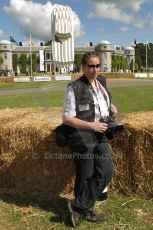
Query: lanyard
96, 96
101, 90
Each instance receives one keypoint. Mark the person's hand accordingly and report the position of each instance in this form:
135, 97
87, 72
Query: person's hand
99, 127
113, 110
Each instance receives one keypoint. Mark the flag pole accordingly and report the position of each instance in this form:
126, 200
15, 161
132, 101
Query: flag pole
146, 58
30, 58
133, 58
134, 45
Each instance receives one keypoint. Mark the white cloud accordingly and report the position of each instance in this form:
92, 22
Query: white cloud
138, 23
135, 5
120, 10
1, 33
110, 11
35, 18
151, 22
124, 29
150, 19
78, 28
100, 29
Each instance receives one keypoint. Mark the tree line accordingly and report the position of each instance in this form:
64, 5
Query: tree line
118, 62
143, 52
24, 62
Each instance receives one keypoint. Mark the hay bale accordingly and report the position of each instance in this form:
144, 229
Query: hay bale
118, 75
6, 79
133, 156
31, 163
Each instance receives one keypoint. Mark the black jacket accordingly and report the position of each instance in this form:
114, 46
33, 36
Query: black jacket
85, 110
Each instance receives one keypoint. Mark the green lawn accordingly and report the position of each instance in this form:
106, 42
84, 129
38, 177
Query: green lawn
44, 99
124, 213
126, 99
133, 99
23, 85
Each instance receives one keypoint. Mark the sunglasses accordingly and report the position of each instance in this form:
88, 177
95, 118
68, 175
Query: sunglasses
93, 66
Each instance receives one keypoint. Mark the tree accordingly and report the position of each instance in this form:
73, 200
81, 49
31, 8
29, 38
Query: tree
131, 65
77, 61
15, 62
1, 61
140, 55
118, 63
114, 63
48, 43
34, 62
23, 62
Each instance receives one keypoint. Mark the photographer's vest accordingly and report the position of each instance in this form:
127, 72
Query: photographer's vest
85, 110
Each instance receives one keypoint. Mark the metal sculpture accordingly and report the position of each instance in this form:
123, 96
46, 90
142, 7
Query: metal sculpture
62, 35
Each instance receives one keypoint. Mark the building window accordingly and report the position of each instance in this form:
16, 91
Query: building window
6, 67
5, 55
48, 68
47, 56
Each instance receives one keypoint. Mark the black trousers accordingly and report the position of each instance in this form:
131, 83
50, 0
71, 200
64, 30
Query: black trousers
94, 171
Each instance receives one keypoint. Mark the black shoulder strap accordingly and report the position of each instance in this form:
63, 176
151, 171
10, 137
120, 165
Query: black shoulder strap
102, 81
78, 87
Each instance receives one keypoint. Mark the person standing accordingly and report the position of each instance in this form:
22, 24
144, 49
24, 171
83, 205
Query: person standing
87, 100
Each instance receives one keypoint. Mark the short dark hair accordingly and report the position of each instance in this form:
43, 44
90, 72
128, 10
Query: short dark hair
88, 55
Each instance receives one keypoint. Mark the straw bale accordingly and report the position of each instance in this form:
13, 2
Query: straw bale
6, 79
118, 75
31, 163
133, 156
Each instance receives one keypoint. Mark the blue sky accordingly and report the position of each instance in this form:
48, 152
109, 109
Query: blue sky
119, 22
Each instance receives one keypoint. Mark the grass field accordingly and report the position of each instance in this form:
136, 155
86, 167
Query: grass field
133, 99
126, 99
124, 213
23, 85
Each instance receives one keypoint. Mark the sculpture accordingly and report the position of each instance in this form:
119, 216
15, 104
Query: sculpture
62, 35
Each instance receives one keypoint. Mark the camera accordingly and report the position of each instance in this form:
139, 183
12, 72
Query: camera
114, 129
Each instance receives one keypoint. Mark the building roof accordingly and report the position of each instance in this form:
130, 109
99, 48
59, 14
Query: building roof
129, 48
5, 42
104, 42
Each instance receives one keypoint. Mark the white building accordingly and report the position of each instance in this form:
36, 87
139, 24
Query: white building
46, 62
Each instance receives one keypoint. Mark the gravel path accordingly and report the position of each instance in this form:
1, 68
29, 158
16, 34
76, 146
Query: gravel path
112, 83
